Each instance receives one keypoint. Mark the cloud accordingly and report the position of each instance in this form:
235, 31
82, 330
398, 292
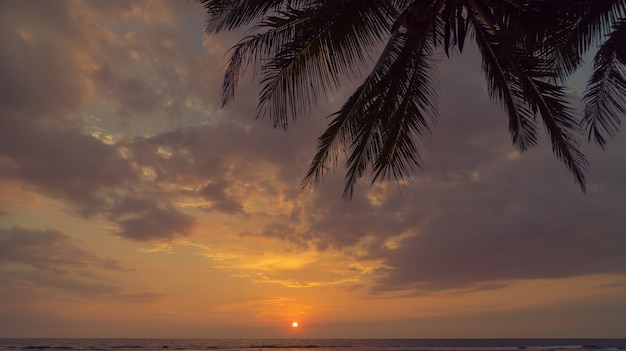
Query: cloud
133, 94
225, 164
51, 258
48, 250
121, 140
42, 71
112, 111
39, 263
518, 220
62, 162
216, 193
157, 223
279, 231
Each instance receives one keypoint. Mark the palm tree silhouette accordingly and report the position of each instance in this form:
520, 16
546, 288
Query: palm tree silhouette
302, 50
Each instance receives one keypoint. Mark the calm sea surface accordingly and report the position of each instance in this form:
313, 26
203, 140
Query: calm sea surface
318, 344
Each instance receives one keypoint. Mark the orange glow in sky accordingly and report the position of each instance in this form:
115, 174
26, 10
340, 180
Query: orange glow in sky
133, 205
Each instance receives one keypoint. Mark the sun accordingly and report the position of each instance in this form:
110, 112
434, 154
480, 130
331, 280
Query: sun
294, 324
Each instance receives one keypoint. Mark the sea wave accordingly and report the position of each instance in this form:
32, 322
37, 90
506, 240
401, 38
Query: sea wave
320, 344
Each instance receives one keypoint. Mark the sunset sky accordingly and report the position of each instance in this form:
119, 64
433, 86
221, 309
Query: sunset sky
133, 205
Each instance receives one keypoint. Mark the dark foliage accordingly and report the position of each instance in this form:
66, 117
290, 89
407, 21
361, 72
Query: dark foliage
303, 50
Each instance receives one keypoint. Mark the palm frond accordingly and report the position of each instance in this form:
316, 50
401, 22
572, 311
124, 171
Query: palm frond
454, 27
565, 30
257, 48
324, 50
410, 123
228, 15
356, 106
552, 103
529, 76
303, 50
504, 86
382, 122
605, 97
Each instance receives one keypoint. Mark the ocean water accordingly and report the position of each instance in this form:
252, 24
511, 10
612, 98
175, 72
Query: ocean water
318, 344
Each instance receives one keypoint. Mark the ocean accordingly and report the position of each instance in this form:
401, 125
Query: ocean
318, 344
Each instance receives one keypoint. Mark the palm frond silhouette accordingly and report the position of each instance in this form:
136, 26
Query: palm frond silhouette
303, 50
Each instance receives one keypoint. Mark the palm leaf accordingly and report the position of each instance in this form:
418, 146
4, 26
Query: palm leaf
228, 15
303, 50
606, 93
323, 51
529, 76
349, 114
382, 122
565, 30
504, 87
257, 48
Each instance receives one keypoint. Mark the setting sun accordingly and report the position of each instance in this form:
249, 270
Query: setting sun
294, 324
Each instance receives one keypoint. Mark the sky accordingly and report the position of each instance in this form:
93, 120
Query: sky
133, 205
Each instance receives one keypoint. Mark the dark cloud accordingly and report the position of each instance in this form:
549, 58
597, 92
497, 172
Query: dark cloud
41, 69
217, 194
189, 152
130, 205
157, 223
157, 68
55, 59
342, 225
66, 281
280, 231
53, 259
518, 221
225, 162
62, 162
133, 94
48, 250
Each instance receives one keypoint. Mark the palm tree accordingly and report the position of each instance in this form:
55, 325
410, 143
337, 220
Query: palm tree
303, 50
